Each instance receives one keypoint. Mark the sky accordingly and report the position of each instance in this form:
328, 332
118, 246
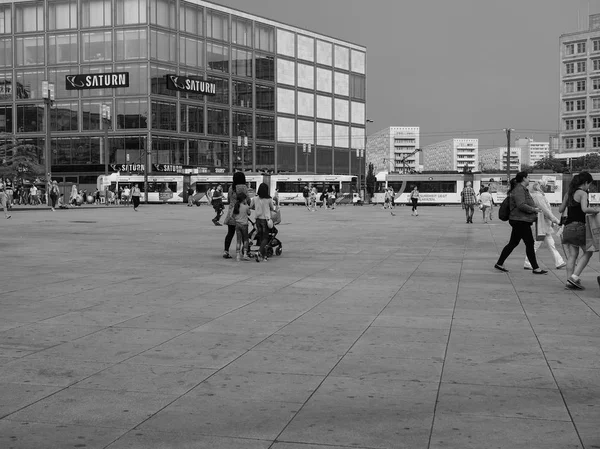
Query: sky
455, 68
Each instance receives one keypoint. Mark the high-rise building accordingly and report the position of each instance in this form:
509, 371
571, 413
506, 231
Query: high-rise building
182, 81
532, 151
580, 89
452, 154
394, 149
495, 159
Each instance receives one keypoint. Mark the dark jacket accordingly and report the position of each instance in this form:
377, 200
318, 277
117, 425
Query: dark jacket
522, 206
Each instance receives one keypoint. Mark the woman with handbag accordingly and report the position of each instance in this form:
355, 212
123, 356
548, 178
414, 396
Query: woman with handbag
238, 186
545, 225
263, 205
573, 237
523, 213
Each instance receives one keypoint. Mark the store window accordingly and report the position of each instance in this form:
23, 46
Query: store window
265, 97
265, 67
6, 119
5, 20
222, 88
162, 46
63, 116
168, 150
91, 114
131, 44
217, 57
97, 46
96, 13
241, 93
217, 25
131, 113
128, 149
29, 84
164, 115
29, 17
241, 31
30, 118
131, 12
191, 52
6, 53
218, 122
62, 15
30, 50
190, 19
62, 49
162, 13
192, 119
265, 127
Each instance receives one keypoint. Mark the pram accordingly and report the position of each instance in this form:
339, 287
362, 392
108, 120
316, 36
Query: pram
274, 245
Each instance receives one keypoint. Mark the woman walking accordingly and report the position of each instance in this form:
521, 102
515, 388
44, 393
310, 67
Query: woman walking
241, 211
238, 186
414, 198
573, 237
523, 213
486, 201
540, 200
263, 205
54, 194
135, 196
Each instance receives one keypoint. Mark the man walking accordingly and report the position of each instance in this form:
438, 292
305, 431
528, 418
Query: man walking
306, 194
3, 201
468, 200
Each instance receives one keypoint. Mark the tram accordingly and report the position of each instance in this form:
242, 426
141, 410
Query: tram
161, 188
202, 183
290, 186
445, 188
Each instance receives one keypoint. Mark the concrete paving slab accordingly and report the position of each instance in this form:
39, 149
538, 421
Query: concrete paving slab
30, 435
51, 371
289, 362
137, 439
16, 396
37, 336
95, 408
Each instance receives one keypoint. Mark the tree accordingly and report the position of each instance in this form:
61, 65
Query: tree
371, 180
589, 162
20, 162
549, 163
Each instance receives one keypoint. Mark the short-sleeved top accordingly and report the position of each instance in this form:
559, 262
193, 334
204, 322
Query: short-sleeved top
242, 217
469, 196
305, 192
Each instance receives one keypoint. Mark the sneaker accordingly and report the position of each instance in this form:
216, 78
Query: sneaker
226, 255
576, 284
501, 268
527, 268
562, 265
539, 271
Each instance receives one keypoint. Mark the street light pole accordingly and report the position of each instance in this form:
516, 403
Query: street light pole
508, 130
306, 149
243, 144
48, 96
359, 155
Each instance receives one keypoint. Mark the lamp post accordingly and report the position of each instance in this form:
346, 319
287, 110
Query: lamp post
306, 149
364, 154
243, 144
508, 130
105, 126
48, 96
360, 153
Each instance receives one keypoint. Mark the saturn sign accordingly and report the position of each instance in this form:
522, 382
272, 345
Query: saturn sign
185, 84
98, 81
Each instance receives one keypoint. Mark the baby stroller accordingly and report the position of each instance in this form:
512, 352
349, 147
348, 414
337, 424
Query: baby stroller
274, 245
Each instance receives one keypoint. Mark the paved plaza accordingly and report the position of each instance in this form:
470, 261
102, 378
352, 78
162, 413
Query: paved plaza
122, 329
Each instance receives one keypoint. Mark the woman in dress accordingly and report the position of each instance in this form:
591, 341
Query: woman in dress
238, 186
135, 196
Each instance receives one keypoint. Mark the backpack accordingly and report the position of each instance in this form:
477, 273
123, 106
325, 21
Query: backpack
504, 211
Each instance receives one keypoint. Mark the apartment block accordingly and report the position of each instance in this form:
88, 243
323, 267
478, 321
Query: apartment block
495, 159
452, 154
394, 149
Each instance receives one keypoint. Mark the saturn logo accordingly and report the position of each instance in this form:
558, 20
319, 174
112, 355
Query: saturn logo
72, 79
175, 81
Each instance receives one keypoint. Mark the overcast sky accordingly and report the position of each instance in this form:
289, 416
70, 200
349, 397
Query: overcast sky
456, 68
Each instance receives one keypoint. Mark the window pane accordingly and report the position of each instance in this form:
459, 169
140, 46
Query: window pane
265, 127
131, 11
63, 117
62, 15
158, 81
265, 157
265, 97
57, 76
91, 114
6, 86
162, 13
222, 88
138, 73
6, 119
131, 44
217, 57
132, 114
29, 84
217, 26
94, 70
191, 52
97, 46
218, 122
96, 13
190, 19
242, 94
30, 118
241, 32
63, 49
265, 67
162, 46
164, 115
30, 50
242, 121
6, 53
192, 119
264, 37
241, 63
29, 18
5, 20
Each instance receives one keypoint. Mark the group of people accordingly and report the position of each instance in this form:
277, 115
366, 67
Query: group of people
327, 197
524, 209
237, 215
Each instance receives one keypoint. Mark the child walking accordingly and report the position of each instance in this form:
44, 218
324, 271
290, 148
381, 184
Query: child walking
241, 211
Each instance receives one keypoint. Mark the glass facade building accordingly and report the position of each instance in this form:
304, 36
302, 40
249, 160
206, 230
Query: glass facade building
277, 86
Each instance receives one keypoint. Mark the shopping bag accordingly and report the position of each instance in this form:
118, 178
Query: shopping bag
592, 232
540, 227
